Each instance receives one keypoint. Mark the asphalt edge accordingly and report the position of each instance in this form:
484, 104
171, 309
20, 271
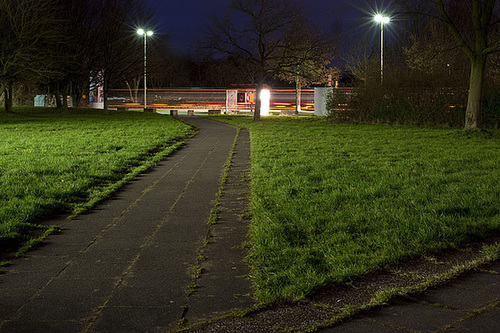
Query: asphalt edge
486, 254
273, 317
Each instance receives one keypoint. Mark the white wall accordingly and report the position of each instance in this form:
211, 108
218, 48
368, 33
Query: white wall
320, 94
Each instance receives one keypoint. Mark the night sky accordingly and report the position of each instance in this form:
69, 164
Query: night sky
183, 20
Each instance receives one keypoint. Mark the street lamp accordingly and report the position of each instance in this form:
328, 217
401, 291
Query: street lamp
145, 34
379, 18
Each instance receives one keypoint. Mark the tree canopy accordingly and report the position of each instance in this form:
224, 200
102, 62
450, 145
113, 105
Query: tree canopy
61, 44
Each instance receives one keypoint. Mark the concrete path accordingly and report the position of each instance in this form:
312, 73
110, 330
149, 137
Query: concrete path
127, 265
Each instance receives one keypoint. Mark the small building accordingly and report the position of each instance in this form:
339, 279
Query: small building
241, 97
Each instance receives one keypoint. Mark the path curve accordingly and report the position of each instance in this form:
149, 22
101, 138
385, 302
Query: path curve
126, 265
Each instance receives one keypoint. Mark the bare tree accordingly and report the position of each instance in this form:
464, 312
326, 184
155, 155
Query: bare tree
359, 60
75, 53
306, 60
434, 60
28, 36
259, 32
477, 40
116, 44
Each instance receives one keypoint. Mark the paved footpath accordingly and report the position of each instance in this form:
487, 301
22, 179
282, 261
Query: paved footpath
126, 266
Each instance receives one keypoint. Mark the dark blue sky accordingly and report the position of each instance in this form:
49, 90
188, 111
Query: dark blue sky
183, 20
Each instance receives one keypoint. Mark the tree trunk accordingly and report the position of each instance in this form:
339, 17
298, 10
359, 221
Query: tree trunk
57, 94
297, 96
81, 91
137, 84
105, 96
77, 95
130, 91
256, 115
473, 112
8, 97
65, 97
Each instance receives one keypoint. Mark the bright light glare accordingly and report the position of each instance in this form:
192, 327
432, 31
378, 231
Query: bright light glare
142, 32
382, 19
265, 96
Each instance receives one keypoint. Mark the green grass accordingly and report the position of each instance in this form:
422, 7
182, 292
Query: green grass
53, 161
332, 202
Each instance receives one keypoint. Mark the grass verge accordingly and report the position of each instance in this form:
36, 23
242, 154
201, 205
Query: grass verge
332, 202
55, 161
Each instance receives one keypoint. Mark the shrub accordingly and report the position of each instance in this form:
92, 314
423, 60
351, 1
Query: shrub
491, 108
337, 107
394, 105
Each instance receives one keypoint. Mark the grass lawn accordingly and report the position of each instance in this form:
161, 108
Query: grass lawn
331, 202
53, 161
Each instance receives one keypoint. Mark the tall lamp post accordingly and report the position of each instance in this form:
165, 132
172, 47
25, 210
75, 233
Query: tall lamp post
379, 18
145, 34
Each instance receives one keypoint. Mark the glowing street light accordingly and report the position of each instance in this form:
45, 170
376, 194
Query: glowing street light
379, 18
145, 34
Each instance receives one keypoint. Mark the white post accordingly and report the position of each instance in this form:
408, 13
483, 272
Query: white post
381, 53
382, 20
145, 35
145, 72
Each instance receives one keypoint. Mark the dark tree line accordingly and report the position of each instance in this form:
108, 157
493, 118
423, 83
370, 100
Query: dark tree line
28, 34
60, 44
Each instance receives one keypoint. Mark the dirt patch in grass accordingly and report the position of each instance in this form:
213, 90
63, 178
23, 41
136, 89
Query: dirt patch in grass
337, 303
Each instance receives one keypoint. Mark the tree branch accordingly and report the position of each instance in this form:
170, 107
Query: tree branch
454, 30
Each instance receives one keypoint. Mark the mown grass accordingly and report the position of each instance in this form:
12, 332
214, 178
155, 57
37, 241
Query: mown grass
332, 202
53, 161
